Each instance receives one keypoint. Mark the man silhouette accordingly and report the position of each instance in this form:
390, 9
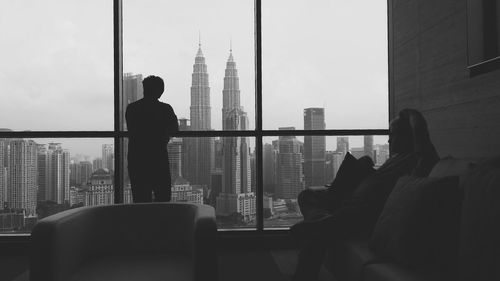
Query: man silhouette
150, 124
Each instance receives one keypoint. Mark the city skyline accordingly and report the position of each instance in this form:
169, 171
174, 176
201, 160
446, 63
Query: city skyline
297, 63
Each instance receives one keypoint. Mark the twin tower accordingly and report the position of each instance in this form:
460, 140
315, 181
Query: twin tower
234, 194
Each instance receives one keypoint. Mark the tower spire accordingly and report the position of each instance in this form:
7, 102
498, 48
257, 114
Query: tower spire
200, 53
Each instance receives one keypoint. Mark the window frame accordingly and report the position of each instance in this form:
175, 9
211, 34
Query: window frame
258, 133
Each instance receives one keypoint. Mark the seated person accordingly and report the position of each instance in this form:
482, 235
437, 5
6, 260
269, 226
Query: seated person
362, 193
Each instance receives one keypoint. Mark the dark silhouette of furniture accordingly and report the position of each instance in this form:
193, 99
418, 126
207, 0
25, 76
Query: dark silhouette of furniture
147, 241
354, 260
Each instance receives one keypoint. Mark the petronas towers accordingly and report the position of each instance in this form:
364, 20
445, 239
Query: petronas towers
234, 196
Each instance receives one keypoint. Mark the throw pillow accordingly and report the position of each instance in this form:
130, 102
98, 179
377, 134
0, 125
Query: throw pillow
351, 172
419, 223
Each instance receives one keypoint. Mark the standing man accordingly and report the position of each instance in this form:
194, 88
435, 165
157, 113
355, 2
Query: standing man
150, 124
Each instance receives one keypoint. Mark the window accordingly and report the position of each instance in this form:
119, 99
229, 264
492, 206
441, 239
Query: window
267, 104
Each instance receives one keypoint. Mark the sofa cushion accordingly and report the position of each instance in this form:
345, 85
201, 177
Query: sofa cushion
136, 268
419, 224
450, 166
397, 272
479, 251
346, 259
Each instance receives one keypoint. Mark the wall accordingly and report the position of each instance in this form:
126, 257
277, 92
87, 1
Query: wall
428, 62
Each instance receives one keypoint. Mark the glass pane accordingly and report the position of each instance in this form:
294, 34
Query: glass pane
41, 177
204, 52
216, 171
56, 70
292, 164
330, 55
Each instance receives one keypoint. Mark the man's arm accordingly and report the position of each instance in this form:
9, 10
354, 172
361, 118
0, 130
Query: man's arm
172, 122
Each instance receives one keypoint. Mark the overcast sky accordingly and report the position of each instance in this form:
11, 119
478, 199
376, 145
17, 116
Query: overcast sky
56, 70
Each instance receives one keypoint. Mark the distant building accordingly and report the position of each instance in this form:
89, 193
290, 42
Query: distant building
333, 162
97, 164
381, 154
289, 166
199, 149
22, 186
269, 159
108, 157
314, 148
57, 173
368, 146
100, 191
343, 144
85, 171
132, 91
236, 195
76, 196
182, 191
174, 148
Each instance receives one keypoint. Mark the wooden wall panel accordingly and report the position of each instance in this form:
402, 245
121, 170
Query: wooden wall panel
430, 74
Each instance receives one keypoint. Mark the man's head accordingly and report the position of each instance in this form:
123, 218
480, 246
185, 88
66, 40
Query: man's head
400, 136
153, 87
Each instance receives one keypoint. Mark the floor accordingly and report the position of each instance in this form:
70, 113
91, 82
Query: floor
275, 265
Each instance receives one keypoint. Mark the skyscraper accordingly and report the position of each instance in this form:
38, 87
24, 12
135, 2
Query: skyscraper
368, 146
174, 148
108, 157
269, 159
290, 176
22, 187
84, 172
343, 145
43, 162
57, 174
132, 91
314, 148
3, 175
100, 191
236, 194
200, 113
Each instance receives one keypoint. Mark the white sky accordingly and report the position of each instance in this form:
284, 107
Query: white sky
56, 60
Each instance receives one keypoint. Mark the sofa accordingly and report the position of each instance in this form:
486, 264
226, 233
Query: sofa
145, 241
475, 244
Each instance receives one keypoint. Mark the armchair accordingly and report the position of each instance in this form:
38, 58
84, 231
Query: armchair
147, 241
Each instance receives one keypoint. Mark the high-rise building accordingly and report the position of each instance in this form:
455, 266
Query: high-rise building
182, 191
100, 191
42, 168
22, 187
269, 159
84, 172
132, 91
368, 146
199, 151
56, 174
290, 176
236, 194
108, 157
314, 148
333, 161
174, 148
3, 175
343, 145
97, 164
